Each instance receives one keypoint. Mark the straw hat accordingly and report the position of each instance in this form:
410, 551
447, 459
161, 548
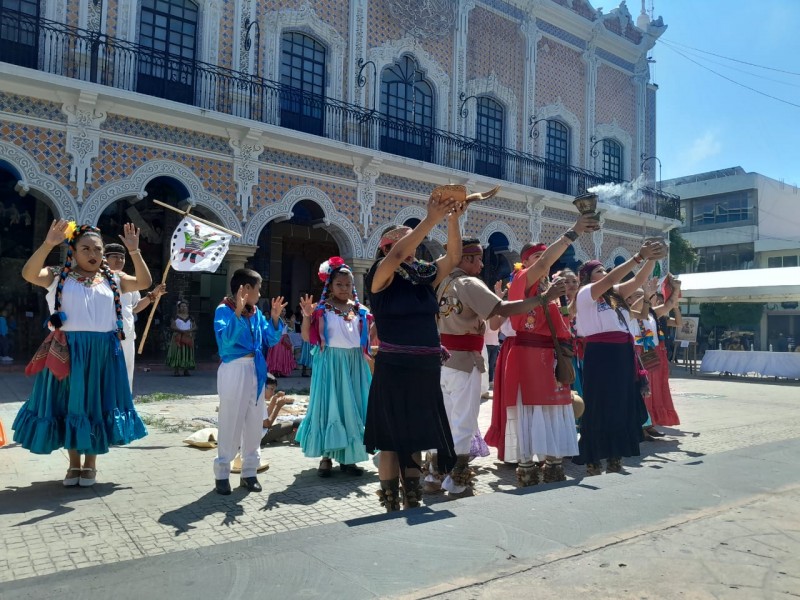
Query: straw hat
577, 405
236, 465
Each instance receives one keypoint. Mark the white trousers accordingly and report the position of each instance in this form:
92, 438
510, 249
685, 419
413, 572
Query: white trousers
241, 414
485, 374
129, 350
462, 401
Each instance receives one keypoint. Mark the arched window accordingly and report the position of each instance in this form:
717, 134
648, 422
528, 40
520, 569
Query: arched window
302, 83
19, 36
407, 104
612, 160
489, 135
168, 41
557, 156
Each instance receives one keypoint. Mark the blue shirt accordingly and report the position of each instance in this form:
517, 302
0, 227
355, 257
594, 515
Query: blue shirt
238, 337
3, 326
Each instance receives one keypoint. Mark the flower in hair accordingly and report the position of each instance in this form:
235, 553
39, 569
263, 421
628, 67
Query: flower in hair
72, 227
326, 268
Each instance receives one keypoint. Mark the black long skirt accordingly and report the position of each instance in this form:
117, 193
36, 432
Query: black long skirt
405, 412
611, 426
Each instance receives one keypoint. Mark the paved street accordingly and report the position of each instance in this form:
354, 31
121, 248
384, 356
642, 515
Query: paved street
691, 507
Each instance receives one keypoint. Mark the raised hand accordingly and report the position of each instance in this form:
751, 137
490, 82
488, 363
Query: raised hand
159, 290
439, 206
649, 287
459, 208
241, 300
557, 289
277, 308
130, 237
653, 250
57, 233
307, 305
498, 287
586, 223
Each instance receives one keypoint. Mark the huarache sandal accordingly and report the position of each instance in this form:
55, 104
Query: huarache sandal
325, 467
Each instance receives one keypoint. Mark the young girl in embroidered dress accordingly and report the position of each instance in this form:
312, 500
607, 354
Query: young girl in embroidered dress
280, 357
81, 399
338, 329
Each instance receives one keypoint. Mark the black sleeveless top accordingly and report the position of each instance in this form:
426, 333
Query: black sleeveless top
405, 313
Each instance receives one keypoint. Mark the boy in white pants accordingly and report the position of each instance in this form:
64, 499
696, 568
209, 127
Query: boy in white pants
243, 336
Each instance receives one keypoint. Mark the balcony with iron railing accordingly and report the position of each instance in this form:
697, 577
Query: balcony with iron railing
76, 53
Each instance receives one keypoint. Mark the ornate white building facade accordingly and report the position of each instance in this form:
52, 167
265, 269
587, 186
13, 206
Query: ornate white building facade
314, 125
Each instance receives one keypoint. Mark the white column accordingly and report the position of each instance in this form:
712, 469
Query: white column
640, 79
532, 35
460, 61
367, 175
590, 94
358, 49
236, 258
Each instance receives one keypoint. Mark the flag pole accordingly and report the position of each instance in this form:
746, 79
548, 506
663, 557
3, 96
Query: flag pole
196, 218
163, 281
169, 262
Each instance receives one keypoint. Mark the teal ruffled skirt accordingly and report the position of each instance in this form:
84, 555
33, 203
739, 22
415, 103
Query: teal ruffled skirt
90, 409
337, 406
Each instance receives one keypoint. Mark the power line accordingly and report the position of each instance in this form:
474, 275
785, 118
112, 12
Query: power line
746, 72
744, 62
752, 89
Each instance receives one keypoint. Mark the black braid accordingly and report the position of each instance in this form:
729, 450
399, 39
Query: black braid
58, 317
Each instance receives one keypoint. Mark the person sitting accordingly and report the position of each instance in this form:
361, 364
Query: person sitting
282, 430
735, 344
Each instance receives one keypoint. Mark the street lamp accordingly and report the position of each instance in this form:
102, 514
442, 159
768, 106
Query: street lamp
462, 109
533, 132
593, 151
658, 160
248, 41
361, 79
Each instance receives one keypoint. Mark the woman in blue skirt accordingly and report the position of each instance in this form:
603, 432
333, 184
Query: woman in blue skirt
338, 329
81, 398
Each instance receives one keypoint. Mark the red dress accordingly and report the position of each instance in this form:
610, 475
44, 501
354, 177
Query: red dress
527, 363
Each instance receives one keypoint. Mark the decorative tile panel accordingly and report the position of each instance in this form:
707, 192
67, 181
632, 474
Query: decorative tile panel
30, 107
165, 133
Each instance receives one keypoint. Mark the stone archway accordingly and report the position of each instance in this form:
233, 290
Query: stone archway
341, 229
32, 179
135, 186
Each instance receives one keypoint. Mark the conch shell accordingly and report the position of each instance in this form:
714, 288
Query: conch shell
459, 193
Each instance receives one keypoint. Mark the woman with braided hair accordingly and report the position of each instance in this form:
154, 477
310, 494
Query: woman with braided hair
338, 329
81, 398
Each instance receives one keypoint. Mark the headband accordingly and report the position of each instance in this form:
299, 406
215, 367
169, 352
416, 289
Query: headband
472, 250
526, 254
394, 235
588, 267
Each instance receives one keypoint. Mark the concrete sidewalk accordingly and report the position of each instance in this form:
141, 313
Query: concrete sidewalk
154, 501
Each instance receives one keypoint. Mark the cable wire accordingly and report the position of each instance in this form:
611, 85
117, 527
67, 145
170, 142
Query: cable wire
752, 89
732, 59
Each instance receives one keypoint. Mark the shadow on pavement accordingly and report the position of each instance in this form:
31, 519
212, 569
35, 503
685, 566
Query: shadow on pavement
211, 503
304, 493
49, 496
414, 516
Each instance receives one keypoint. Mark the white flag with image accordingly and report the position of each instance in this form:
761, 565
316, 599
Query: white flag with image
197, 246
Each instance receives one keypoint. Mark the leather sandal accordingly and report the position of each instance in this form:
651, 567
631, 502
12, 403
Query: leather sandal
325, 468
88, 481
70, 480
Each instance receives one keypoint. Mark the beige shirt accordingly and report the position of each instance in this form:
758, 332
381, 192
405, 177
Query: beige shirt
464, 305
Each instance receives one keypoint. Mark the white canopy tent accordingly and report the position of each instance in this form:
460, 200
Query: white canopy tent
750, 285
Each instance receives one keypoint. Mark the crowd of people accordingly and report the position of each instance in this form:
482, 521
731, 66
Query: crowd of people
401, 379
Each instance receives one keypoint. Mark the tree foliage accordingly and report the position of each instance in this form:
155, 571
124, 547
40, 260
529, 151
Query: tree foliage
682, 255
733, 314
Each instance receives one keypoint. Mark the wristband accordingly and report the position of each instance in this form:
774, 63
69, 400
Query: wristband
651, 297
150, 296
571, 235
638, 259
137, 251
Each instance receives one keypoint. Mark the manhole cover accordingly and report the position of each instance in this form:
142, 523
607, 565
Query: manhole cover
697, 396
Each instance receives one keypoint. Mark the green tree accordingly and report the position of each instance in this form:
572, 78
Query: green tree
682, 255
732, 314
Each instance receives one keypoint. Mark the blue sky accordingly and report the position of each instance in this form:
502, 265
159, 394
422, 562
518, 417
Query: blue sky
706, 122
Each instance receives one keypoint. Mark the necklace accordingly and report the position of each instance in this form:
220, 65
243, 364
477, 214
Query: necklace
347, 315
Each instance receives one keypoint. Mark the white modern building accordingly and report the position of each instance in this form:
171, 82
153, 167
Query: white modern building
738, 220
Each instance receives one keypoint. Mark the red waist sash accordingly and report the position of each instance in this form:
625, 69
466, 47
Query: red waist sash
469, 342
532, 340
609, 337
